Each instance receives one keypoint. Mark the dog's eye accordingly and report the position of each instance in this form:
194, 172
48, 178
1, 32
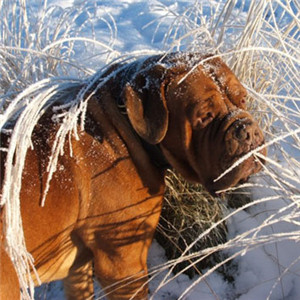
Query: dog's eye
210, 101
202, 113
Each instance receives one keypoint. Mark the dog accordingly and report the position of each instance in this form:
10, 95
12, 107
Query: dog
181, 110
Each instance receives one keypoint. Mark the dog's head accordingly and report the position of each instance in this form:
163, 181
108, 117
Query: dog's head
196, 112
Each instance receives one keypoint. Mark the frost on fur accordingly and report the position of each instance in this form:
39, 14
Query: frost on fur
45, 62
37, 64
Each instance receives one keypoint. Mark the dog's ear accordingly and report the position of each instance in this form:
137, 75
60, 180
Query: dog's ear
146, 105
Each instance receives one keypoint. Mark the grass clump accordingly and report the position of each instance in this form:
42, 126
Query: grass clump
188, 211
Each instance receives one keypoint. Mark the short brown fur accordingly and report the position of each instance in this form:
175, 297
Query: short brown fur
104, 202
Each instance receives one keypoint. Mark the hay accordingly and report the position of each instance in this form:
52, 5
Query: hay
187, 212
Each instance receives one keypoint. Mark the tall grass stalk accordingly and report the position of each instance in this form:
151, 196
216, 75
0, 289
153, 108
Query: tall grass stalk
39, 51
261, 44
38, 66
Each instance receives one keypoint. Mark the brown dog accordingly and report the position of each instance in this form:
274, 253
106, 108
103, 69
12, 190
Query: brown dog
104, 201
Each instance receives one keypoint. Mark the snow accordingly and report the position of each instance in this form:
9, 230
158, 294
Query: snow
267, 269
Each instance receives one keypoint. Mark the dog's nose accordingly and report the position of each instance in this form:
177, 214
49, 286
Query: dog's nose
243, 136
242, 132
248, 132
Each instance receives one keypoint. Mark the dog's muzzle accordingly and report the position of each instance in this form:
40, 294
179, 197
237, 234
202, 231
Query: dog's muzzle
242, 136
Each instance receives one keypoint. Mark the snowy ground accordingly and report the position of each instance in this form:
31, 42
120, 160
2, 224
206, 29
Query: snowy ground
266, 270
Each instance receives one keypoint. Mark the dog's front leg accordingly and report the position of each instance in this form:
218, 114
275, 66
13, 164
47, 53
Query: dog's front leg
79, 285
123, 274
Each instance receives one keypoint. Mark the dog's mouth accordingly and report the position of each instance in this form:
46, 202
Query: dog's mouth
234, 175
236, 164
242, 138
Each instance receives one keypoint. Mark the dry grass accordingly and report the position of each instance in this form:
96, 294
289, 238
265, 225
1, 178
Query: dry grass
260, 42
187, 212
38, 63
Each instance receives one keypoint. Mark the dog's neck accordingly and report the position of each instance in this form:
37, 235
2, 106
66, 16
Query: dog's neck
154, 151
118, 83
156, 155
